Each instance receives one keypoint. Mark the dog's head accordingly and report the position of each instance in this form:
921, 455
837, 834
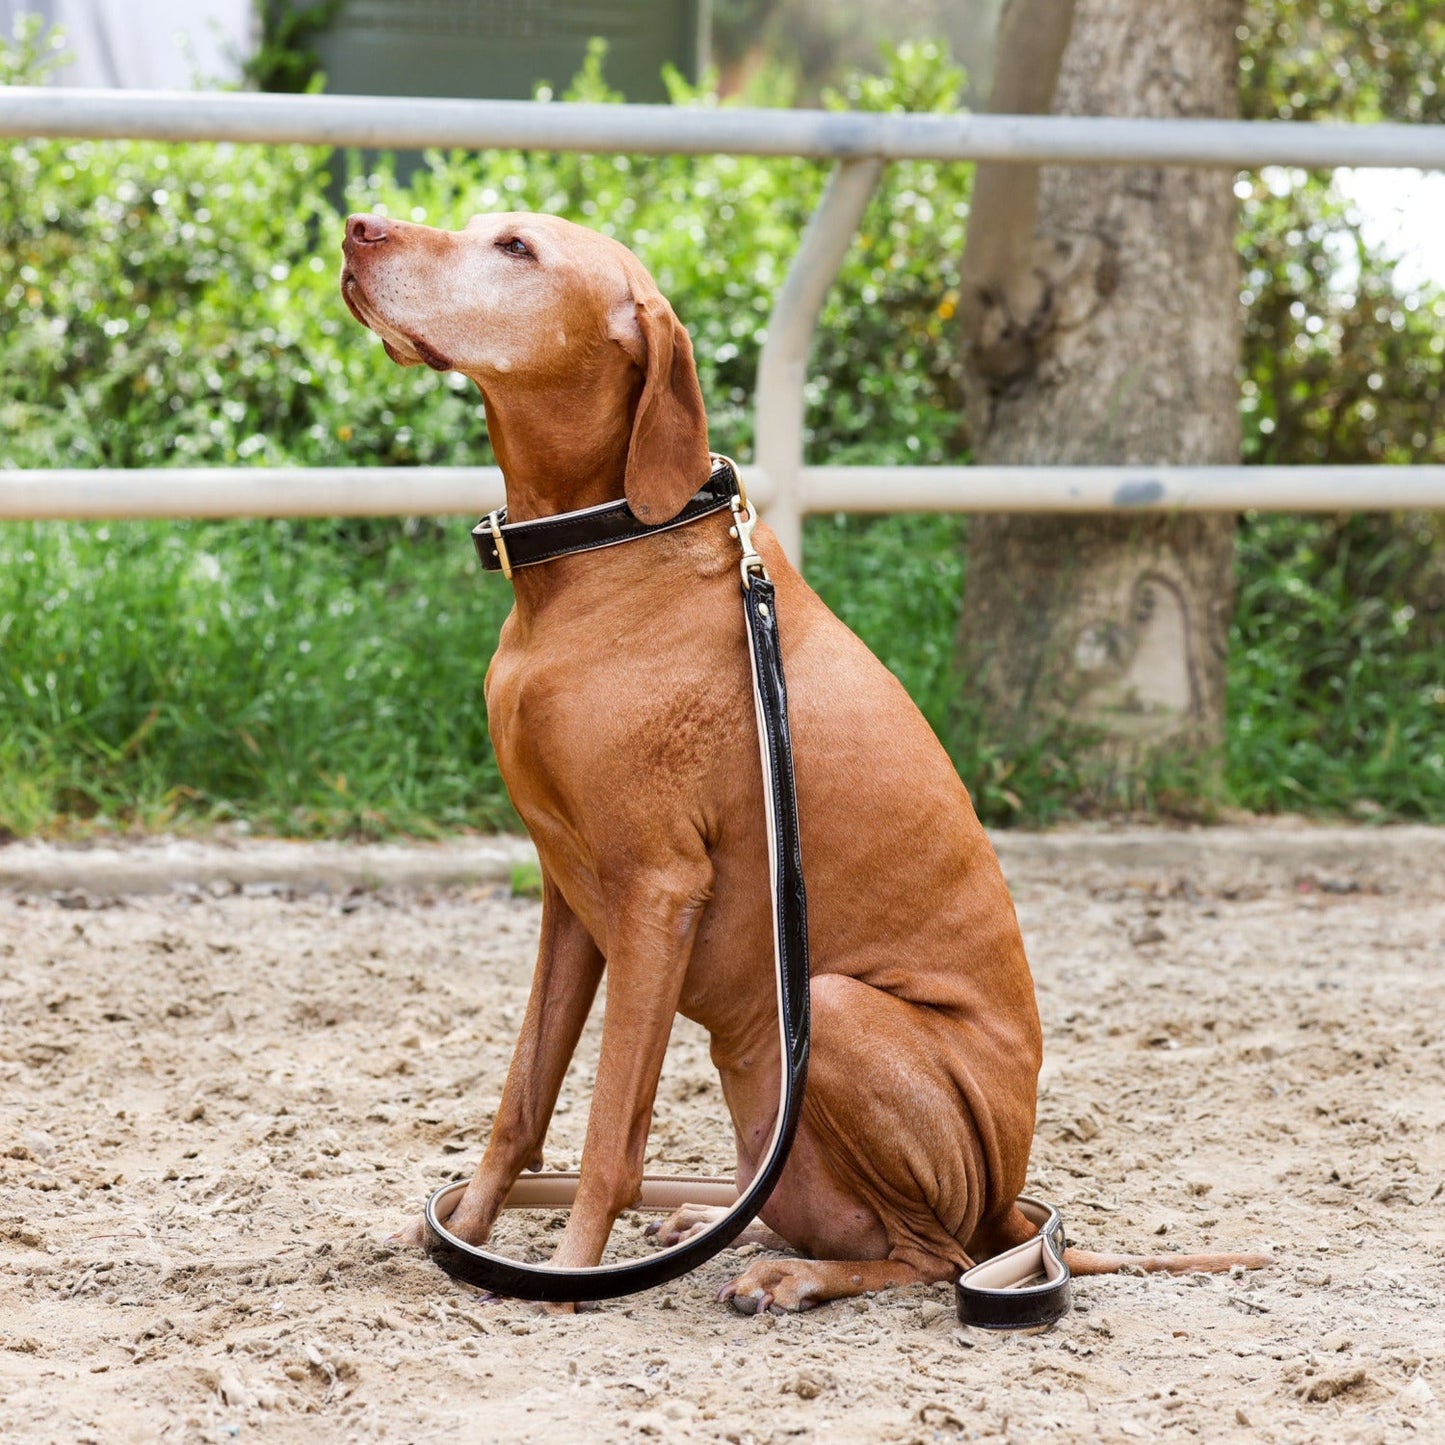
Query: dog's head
532, 304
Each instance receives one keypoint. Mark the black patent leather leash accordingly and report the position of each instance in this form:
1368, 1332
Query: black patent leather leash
1024, 1287
517, 1280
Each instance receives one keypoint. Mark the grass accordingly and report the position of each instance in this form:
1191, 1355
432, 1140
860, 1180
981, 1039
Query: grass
311, 679
525, 880
1337, 668
318, 679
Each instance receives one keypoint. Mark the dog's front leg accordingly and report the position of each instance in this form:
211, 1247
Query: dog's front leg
654, 920
569, 968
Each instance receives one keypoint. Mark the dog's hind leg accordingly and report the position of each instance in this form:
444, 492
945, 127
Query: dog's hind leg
888, 1170
800, 1284
689, 1219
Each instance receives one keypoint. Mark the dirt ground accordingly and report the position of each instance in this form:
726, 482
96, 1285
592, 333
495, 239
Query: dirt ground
220, 1098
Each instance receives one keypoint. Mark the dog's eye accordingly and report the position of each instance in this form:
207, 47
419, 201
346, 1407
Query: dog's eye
516, 246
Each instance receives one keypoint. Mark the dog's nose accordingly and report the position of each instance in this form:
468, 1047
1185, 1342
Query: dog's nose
365, 231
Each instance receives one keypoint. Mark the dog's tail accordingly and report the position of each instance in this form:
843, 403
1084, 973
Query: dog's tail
1086, 1261
1016, 1227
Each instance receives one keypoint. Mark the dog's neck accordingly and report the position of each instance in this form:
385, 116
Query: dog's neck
561, 447
564, 448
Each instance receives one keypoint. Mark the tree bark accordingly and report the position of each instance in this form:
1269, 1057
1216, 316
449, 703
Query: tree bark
1104, 328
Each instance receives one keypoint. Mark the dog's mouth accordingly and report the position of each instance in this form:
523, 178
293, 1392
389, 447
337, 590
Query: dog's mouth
351, 293
404, 349
429, 354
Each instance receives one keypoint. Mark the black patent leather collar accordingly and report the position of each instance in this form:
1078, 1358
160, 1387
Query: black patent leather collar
524, 544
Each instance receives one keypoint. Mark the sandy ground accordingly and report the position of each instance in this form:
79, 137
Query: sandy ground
218, 1099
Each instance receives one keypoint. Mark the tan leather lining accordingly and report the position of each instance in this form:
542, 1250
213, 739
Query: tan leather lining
1032, 1263
661, 1192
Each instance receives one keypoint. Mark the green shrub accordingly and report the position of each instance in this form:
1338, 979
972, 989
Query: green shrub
1337, 668
177, 305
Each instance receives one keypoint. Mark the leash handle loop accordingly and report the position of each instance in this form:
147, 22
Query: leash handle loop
1025, 1287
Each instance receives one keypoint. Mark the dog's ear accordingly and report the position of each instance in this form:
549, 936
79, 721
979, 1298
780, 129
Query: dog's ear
667, 459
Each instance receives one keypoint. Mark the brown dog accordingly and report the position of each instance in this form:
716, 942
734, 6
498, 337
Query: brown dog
622, 717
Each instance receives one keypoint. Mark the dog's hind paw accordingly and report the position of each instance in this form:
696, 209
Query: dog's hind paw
689, 1220
801, 1284
684, 1222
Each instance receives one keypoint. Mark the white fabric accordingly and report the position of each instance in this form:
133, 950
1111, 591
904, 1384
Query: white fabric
144, 44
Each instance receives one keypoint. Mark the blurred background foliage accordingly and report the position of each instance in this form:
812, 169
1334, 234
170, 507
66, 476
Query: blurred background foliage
177, 305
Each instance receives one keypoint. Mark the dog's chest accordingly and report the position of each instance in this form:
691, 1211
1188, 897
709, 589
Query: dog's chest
562, 730
531, 716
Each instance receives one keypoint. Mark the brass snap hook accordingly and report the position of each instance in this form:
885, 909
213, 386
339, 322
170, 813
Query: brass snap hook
744, 521
745, 518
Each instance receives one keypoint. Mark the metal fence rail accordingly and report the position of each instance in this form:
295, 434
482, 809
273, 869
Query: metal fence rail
861, 144
111, 494
386, 121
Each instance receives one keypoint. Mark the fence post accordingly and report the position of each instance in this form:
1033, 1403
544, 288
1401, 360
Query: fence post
783, 366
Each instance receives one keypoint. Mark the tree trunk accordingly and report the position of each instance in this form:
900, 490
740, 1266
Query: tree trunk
1105, 330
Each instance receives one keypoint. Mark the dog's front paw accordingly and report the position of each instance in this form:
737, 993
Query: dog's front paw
781, 1284
410, 1236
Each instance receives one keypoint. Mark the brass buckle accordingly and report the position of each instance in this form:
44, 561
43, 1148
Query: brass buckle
496, 530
